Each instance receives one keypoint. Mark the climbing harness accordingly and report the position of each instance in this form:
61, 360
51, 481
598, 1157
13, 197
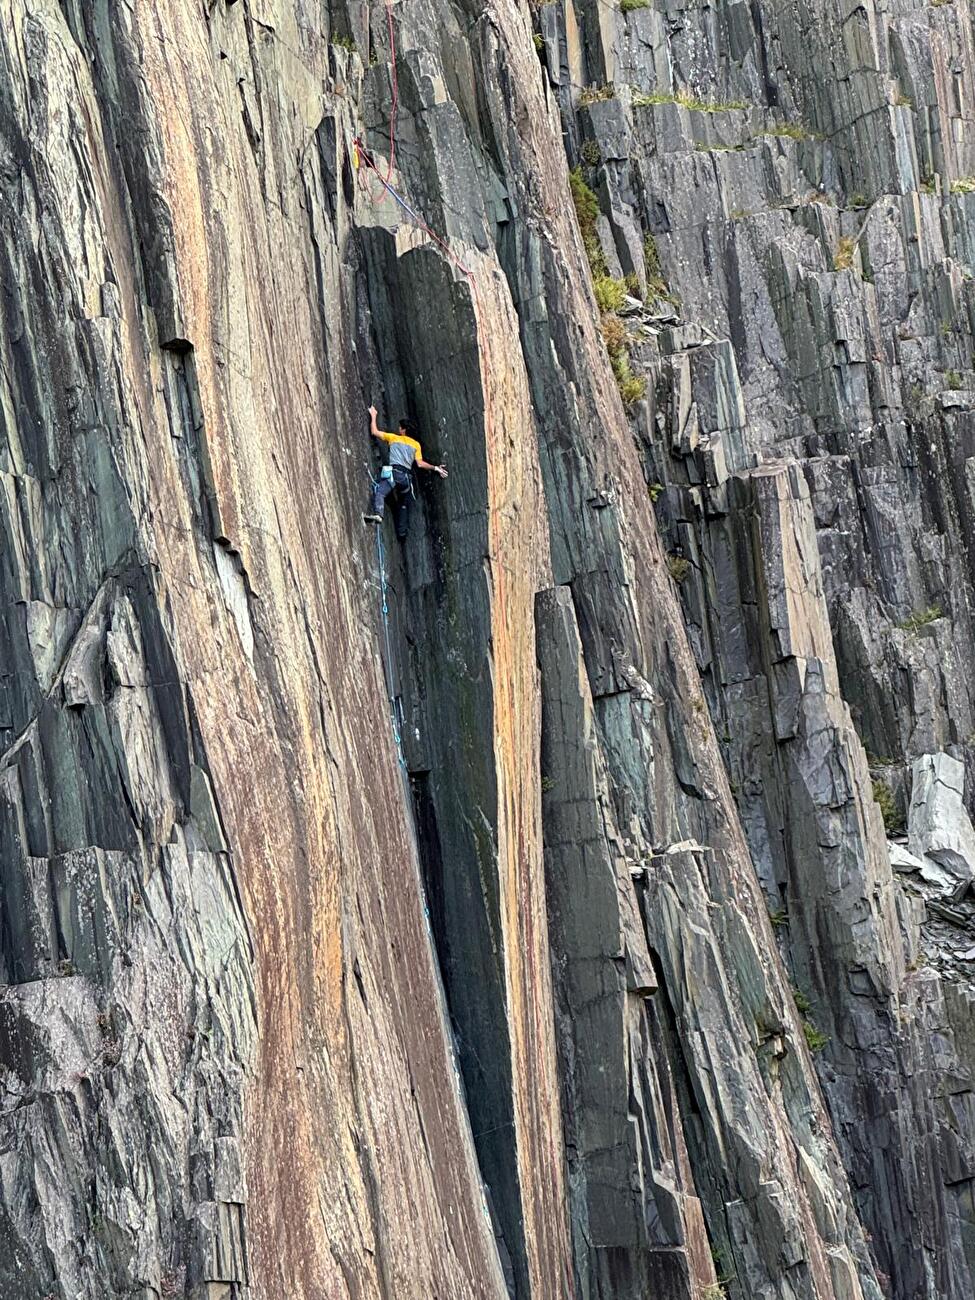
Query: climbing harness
408, 484
363, 158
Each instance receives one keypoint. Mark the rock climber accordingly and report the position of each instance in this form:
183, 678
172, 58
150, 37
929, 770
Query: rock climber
397, 476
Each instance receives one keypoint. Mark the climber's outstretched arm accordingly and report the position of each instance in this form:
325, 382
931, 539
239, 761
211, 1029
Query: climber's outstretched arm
374, 428
437, 469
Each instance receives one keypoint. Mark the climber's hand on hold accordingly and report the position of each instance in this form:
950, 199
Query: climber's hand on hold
441, 470
373, 412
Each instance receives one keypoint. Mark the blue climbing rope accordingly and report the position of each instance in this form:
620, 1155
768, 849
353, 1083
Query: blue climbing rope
388, 658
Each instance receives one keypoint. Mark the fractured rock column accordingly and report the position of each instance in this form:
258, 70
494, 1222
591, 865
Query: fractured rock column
621, 1112
472, 714
226, 1035
815, 825
703, 911
517, 566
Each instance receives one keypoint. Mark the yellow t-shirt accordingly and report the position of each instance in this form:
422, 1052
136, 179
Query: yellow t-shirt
402, 450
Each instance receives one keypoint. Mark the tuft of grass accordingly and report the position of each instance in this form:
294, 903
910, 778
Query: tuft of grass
714, 1291
345, 43
631, 284
717, 1259
539, 42
656, 284
927, 185
590, 153
845, 249
595, 94
953, 380
587, 211
803, 1005
892, 815
644, 99
858, 199
686, 100
793, 130
614, 334
902, 101
586, 203
717, 148
610, 293
655, 490
963, 185
779, 917
627, 6
816, 1040
678, 567
919, 618
651, 256
547, 784
633, 389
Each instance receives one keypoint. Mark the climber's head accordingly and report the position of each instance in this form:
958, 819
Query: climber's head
407, 428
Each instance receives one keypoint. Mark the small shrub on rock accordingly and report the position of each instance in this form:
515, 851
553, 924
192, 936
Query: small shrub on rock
610, 293
678, 567
816, 1040
844, 253
920, 618
893, 817
590, 153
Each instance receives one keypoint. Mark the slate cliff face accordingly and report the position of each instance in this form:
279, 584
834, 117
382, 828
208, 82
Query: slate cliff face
548, 945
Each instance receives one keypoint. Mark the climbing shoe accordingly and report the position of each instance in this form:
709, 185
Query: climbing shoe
372, 519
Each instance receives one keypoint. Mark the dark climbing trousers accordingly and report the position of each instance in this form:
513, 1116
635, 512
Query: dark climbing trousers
401, 485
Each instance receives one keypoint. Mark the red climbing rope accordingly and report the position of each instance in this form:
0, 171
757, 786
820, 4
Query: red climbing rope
391, 160
362, 155
365, 157
395, 87
505, 685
